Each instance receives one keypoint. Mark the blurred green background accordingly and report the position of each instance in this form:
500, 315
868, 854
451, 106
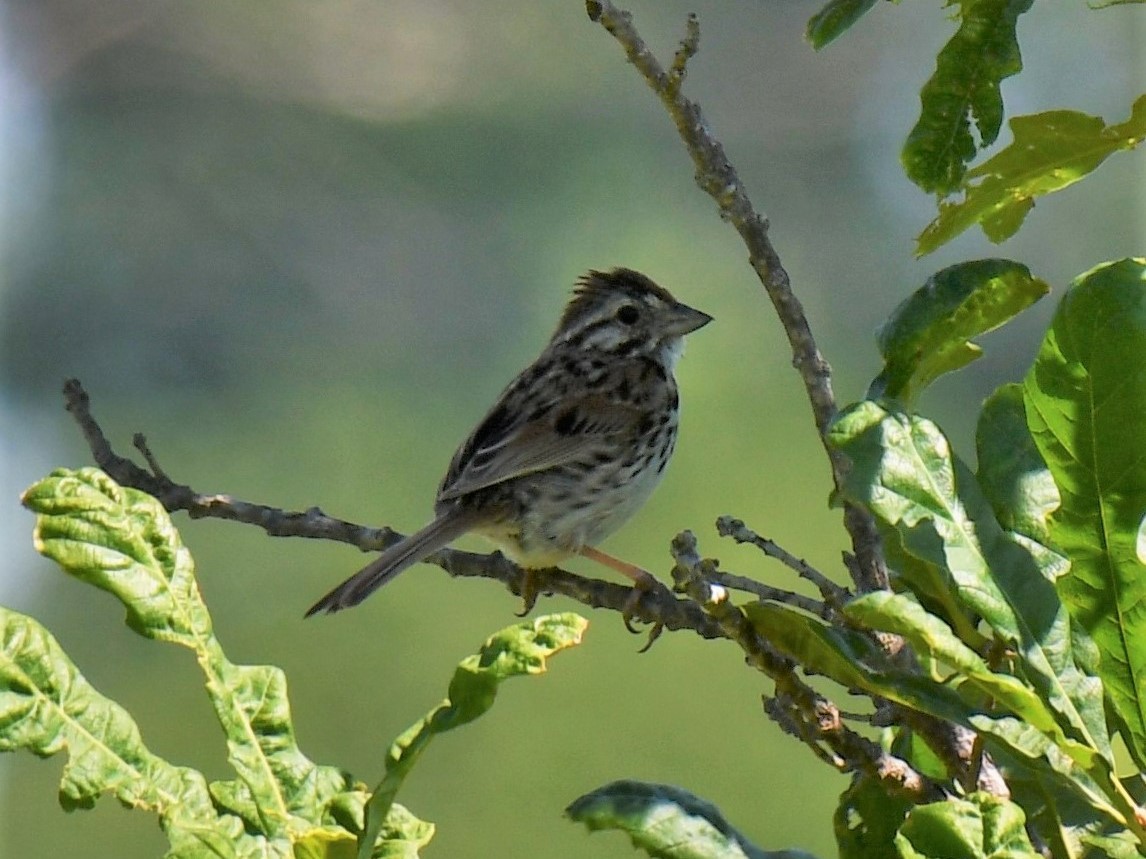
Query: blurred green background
303, 245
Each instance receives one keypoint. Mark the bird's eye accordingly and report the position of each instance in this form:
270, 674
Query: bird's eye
627, 314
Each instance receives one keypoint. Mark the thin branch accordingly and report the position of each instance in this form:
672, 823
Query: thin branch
655, 606
834, 595
717, 177
797, 707
781, 711
766, 592
959, 748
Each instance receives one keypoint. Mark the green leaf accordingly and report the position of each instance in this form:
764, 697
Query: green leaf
930, 332
904, 472
402, 835
1049, 152
1120, 845
867, 820
325, 844
934, 640
852, 660
1067, 824
965, 85
47, 707
1026, 754
907, 745
520, 649
1023, 495
122, 541
848, 657
1086, 406
978, 827
667, 822
930, 583
836, 17
1012, 473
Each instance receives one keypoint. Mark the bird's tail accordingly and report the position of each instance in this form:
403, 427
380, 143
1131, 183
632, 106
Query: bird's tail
439, 533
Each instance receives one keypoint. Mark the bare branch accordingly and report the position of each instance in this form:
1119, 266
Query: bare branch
833, 594
658, 607
766, 592
717, 177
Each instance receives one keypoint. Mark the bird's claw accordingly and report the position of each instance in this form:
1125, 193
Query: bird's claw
654, 633
641, 586
529, 592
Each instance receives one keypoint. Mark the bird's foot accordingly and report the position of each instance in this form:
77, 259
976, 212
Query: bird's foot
643, 582
643, 585
529, 592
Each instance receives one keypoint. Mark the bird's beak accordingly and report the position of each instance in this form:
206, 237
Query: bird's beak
685, 320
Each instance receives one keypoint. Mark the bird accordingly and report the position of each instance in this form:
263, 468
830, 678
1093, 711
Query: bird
572, 447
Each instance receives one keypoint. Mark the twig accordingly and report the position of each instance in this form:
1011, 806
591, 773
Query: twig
139, 442
834, 595
717, 177
766, 592
313, 523
656, 606
798, 707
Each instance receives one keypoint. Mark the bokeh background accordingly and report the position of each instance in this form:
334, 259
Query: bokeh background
303, 245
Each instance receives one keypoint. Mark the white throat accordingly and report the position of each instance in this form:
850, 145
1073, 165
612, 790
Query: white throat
670, 353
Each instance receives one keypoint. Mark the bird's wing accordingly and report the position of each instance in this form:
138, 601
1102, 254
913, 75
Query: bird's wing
505, 445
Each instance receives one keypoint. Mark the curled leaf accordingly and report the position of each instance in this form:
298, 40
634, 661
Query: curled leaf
930, 333
668, 822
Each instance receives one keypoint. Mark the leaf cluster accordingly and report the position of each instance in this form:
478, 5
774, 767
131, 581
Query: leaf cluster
961, 114
279, 803
1016, 586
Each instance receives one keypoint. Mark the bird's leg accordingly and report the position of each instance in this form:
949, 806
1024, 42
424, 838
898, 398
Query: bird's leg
643, 580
